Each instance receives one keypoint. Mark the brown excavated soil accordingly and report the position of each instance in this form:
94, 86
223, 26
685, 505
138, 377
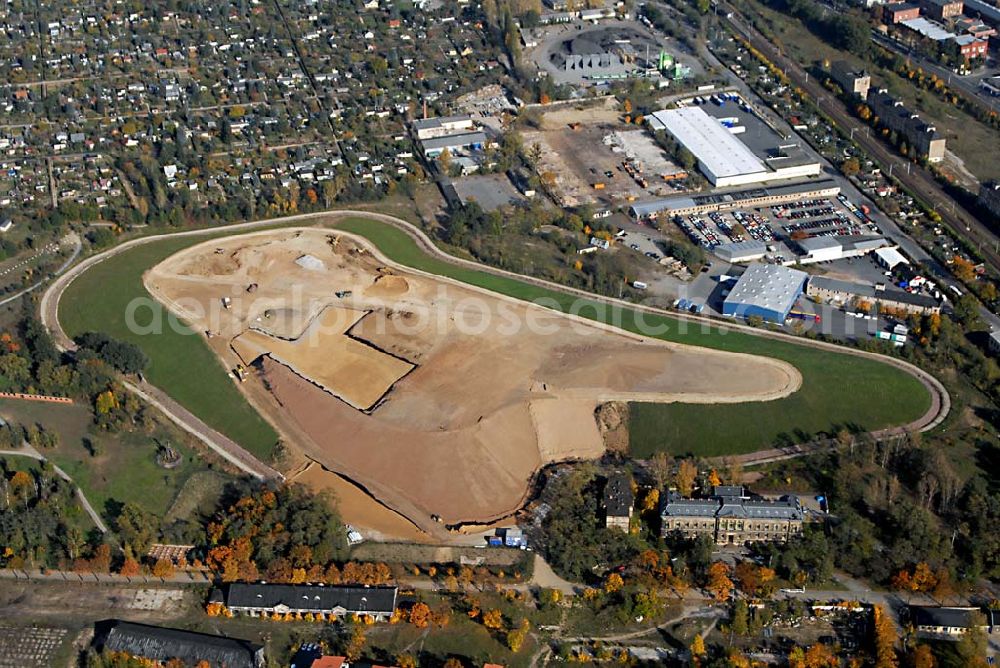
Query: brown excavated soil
357, 508
465, 393
349, 369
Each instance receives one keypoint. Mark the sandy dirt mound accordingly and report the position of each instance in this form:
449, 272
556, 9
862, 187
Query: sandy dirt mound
612, 421
566, 429
388, 285
465, 393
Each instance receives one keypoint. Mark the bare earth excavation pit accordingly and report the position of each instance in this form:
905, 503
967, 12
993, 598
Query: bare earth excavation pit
436, 397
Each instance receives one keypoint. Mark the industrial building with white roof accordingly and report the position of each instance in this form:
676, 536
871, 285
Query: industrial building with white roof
768, 291
723, 157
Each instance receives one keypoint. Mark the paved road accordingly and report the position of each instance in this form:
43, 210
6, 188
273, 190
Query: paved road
913, 177
28, 451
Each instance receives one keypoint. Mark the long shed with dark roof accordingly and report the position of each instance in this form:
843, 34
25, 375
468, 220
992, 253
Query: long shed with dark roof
158, 643
256, 599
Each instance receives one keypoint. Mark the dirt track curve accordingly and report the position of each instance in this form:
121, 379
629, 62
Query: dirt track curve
239, 457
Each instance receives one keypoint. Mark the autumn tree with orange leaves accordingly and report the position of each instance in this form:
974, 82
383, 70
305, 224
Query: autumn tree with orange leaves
817, 656
283, 533
922, 657
687, 473
754, 580
420, 615
129, 568
920, 579
883, 639
719, 584
493, 619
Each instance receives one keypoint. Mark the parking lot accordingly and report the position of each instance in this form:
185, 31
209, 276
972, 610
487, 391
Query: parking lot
641, 243
784, 222
489, 191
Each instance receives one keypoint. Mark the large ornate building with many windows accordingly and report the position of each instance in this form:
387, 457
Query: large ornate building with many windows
733, 517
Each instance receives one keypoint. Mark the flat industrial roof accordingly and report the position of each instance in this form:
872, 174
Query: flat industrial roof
819, 243
928, 29
768, 286
715, 147
733, 197
428, 123
452, 141
741, 248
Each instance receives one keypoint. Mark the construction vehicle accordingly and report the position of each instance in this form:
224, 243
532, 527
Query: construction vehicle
599, 186
241, 373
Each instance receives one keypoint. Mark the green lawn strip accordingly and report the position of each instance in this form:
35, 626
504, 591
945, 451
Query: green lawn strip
127, 471
180, 362
838, 390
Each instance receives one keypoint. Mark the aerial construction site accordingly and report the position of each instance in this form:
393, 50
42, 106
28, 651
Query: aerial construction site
440, 399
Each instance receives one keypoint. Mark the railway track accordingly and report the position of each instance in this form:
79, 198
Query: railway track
912, 176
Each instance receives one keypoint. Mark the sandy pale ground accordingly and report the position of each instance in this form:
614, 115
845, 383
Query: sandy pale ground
348, 369
437, 397
373, 520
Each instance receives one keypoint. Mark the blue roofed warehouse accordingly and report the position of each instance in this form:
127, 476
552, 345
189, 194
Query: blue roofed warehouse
768, 291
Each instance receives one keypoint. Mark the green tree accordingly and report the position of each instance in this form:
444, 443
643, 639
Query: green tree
740, 623
15, 368
137, 528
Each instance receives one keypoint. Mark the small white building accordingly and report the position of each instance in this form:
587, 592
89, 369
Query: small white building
820, 249
890, 258
429, 128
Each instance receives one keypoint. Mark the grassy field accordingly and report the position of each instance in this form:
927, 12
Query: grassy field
179, 361
125, 467
838, 390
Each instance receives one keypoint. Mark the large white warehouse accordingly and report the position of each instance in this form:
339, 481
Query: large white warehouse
722, 157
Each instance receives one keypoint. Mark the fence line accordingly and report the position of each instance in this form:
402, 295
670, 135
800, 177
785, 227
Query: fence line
35, 397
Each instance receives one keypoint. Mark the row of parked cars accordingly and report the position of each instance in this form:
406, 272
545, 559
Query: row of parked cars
688, 305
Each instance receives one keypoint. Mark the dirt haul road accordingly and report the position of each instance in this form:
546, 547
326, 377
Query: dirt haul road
436, 397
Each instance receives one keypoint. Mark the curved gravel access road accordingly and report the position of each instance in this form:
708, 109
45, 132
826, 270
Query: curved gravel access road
239, 457
28, 451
